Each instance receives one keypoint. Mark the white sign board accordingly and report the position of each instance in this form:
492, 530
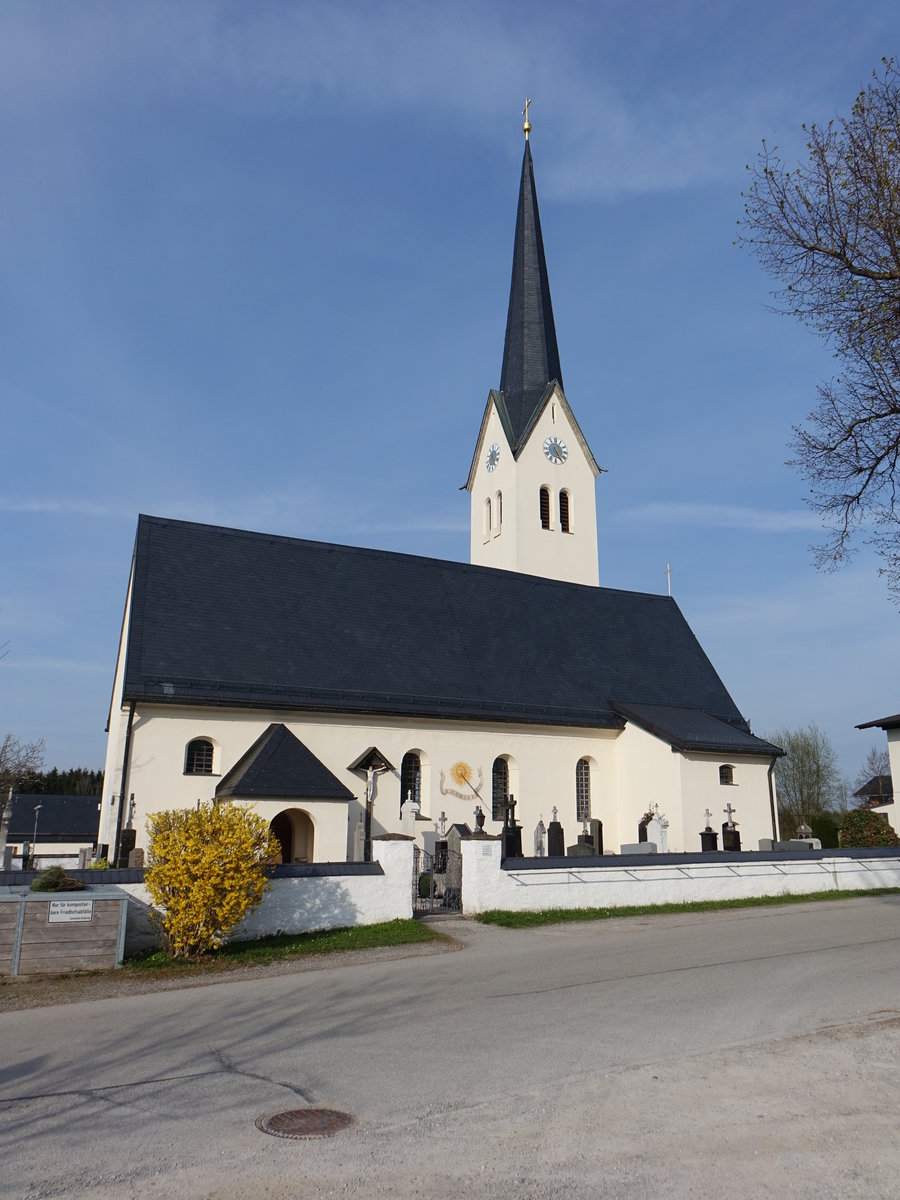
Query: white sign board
71, 910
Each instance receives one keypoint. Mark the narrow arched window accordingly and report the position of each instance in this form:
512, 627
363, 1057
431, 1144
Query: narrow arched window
499, 510
411, 779
199, 757
564, 512
487, 517
583, 790
726, 774
499, 788
545, 508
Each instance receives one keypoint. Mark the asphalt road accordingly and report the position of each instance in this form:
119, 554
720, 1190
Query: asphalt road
744, 1053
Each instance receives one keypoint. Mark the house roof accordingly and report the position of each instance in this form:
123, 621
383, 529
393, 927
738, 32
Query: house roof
61, 819
530, 352
878, 785
278, 764
226, 617
882, 723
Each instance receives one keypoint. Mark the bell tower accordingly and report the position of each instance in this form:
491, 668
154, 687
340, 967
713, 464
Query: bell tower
531, 482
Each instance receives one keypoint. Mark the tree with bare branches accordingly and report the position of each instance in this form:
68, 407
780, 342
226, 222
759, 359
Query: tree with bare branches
17, 760
829, 232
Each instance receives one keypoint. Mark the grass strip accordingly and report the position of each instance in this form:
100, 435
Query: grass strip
557, 916
288, 946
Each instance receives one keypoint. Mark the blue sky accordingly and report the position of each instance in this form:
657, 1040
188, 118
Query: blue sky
224, 225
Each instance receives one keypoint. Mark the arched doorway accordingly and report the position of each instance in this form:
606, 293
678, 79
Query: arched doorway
296, 835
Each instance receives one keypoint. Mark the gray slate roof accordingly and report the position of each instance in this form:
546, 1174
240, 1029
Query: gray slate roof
530, 352
278, 764
692, 729
226, 617
61, 819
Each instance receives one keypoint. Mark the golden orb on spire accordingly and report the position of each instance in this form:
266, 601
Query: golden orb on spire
526, 126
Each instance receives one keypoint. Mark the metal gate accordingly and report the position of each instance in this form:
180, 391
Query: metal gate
437, 881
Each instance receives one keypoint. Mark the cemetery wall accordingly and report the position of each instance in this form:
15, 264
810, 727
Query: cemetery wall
322, 895
528, 885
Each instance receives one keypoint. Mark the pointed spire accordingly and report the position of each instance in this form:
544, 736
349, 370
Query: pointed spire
530, 354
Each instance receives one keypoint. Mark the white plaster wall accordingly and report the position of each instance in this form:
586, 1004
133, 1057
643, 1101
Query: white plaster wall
649, 773
499, 549
630, 770
549, 552
522, 544
329, 818
891, 810
544, 760
486, 886
115, 742
700, 789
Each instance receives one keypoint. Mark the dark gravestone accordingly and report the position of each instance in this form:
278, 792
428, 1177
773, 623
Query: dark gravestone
511, 837
556, 840
731, 839
126, 845
709, 840
583, 848
597, 835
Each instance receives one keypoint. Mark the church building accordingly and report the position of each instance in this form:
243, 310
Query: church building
345, 693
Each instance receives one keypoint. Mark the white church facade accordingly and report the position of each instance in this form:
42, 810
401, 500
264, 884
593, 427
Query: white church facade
346, 693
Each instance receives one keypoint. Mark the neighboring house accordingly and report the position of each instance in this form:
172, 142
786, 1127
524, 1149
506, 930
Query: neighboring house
891, 726
876, 792
327, 686
65, 825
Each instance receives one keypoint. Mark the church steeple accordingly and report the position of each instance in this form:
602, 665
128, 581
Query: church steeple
531, 481
530, 353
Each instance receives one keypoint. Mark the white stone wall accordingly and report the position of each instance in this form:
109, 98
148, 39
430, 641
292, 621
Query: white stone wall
486, 886
327, 902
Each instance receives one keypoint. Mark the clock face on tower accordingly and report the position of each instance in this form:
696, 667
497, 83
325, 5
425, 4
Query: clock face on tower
555, 450
493, 457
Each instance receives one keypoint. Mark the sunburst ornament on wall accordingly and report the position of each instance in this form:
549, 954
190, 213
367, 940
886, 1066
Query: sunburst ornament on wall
464, 777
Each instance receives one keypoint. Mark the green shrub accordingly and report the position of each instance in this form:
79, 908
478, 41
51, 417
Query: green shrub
102, 864
863, 827
425, 886
54, 879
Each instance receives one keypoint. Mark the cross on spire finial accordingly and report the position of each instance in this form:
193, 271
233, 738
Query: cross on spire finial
526, 126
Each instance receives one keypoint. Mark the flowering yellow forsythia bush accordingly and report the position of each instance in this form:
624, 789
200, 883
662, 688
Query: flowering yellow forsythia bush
206, 871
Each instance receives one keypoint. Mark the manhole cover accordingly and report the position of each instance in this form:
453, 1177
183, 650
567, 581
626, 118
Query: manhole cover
304, 1122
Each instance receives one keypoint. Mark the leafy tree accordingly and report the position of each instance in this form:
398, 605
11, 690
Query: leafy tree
206, 869
829, 232
807, 779
863, 827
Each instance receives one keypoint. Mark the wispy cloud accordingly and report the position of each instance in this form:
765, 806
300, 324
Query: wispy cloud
61, 506
616, 132
725, 516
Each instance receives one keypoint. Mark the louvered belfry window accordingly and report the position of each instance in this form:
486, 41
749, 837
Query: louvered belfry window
583, 790
545, 508
499, 788
564, 512
199, 758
